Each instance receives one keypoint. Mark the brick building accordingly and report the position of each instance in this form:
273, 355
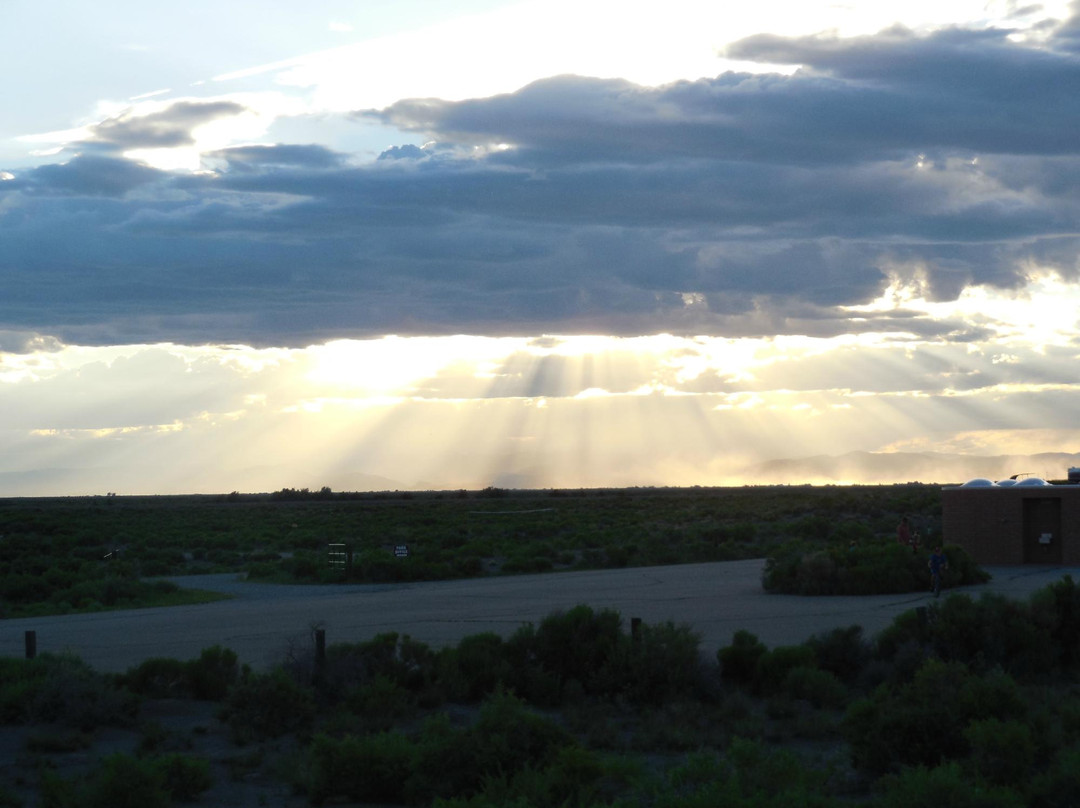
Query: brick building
1025, 522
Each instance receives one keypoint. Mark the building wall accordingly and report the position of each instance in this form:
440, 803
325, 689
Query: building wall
989, 522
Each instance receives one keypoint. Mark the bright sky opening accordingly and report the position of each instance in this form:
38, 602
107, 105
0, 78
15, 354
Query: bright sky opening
409, 246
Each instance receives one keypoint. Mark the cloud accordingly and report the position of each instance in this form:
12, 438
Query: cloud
737, 205
89, 175
280, 156
163, 128
23, 342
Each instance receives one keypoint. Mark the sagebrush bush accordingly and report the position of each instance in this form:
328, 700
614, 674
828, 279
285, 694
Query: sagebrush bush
62, 689
508, 735
381, 703
159, 678
820, 688
446, 763
842, 652
183, 776
992, 632
877, 567
213, 673
268, 706
923, 722
1059, 784
507, 738
1057, 608
369, 769
773, 666
1002, 752
664, 663
123, 781
923, 787
579, 645
739, 661
475, 667
208, 677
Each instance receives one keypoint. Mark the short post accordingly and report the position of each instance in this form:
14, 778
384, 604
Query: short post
31, 644
635, 629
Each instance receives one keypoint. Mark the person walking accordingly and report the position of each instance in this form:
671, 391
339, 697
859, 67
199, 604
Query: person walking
938, 563
903, 532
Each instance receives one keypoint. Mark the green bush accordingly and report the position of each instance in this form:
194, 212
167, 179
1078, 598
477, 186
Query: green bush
268, 706
739, 661
941, 786
1057, 608
381, 703
820, 688
446, 763
1059, 785
213, 673
122, 781
773, 666
62, 689
985, 634
159, 678
208, 677
507, 738
370, 769
923, 722
752, 775
808, 568
576, 646
184, 777
572, 779
1002, 752
664, 663
474, 668
842, 652
508, 735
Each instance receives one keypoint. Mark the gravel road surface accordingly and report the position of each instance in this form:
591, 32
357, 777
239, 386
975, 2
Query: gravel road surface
264, 621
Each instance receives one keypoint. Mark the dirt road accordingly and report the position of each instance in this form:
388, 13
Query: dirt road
264, 621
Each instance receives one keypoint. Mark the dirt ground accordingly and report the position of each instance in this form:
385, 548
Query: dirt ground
243, 775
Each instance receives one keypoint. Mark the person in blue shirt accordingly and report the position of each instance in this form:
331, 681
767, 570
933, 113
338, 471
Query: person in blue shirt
938, 563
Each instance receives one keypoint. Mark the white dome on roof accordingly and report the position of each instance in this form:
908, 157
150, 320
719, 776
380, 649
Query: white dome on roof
978, 482
1008, 482
1032, 482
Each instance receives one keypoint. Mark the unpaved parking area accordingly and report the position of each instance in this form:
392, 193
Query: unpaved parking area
263, 621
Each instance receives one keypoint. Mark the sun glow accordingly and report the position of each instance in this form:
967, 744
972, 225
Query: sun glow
546, 412
1044, 311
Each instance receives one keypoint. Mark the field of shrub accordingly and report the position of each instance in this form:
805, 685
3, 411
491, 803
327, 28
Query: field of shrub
961, 703
880, 566
88, 553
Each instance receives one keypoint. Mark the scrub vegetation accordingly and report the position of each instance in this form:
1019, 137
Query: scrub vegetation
875, 567
961, 702
89, 553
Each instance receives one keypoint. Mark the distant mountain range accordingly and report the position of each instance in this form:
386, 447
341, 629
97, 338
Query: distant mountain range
899, 467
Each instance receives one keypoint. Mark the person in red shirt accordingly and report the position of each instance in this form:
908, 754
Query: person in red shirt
903, 532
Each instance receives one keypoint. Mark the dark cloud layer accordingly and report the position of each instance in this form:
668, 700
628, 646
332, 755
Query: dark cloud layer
168, 128
742, 204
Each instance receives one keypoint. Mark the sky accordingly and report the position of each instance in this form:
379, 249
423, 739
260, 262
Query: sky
425, 245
